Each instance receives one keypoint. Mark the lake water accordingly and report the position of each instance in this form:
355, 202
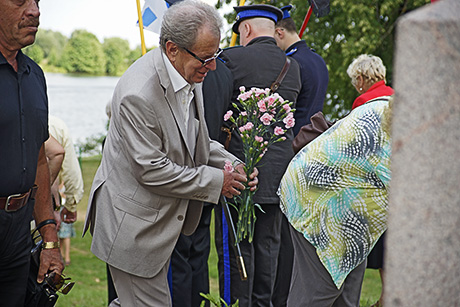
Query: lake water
80, 102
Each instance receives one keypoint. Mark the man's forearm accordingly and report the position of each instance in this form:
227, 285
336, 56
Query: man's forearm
43, 209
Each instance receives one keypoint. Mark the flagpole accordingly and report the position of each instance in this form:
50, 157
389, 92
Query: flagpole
305, 21
234, 35
141, 27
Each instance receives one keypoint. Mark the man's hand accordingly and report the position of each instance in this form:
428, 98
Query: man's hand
254, 180
233, 181
68, 216
50, 261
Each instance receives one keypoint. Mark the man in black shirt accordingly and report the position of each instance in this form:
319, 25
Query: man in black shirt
23, 164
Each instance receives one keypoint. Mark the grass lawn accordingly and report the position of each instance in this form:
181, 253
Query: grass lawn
89, 273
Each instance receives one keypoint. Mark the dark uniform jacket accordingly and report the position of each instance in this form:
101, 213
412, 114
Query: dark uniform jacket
315, 77
258, 65
217, 92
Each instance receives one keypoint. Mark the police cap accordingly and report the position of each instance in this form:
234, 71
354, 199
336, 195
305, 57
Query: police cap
286, 10
256, 10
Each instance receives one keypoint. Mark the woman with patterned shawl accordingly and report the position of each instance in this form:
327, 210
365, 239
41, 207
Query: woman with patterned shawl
335, 196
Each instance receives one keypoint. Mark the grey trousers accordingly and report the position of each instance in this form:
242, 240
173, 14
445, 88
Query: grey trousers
134, 291
311, 284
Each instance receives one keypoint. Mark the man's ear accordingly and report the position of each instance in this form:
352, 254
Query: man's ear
171, 51
247, 29
280, 33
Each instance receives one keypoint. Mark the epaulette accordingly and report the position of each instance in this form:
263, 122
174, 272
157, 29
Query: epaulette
292, 51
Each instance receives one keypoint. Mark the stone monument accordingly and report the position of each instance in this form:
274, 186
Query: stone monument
422, 261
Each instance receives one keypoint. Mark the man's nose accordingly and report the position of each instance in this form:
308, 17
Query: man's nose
33, 9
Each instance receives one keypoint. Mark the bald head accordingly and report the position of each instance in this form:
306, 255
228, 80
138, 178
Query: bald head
255, 27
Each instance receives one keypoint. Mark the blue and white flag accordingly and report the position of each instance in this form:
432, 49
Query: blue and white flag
152, 14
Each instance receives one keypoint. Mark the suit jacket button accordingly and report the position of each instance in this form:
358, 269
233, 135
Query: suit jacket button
180, 217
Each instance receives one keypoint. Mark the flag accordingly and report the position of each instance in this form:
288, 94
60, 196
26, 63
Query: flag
152, 14
320, 7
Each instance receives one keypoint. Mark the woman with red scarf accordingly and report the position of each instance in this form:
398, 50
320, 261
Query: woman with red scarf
367, 74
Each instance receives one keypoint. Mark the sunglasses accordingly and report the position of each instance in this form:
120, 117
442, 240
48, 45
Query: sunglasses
58, 282
207, 61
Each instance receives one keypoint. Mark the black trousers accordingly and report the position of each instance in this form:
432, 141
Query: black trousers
285, 264
189, 264
260, 257
15, 246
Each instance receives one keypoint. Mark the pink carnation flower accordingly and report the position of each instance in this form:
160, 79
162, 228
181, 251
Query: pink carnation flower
242, 89
249, 126
277, 96
259, 92
266, 119
228, 166
270, 100
287, 108
228, 115
244, 96
259, 139
279, 131
289, 120
262, 106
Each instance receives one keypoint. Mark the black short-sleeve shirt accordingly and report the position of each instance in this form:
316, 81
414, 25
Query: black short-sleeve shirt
23, 123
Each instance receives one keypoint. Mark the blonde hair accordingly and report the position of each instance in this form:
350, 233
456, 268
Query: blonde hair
369, 66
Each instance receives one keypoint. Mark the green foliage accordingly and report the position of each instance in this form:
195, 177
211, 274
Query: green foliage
83, 53
51, 41
91, 146
350, 29
35, 52
116, 52
217, 301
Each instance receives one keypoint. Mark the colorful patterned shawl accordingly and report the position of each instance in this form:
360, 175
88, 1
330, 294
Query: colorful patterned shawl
335, 189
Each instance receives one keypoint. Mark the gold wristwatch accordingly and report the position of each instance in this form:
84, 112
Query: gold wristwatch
50, 245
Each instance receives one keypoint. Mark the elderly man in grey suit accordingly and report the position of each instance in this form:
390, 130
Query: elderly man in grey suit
159, 164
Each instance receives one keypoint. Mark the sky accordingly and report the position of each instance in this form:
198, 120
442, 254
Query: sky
104, 18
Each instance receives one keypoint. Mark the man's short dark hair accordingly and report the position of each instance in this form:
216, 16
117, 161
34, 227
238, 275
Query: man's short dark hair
287, 24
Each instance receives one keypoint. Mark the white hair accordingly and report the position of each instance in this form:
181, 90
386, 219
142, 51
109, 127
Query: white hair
369, 66
183, 20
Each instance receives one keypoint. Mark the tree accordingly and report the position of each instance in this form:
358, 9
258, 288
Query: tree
83, 53
35, 52
51, 41
52, 44
116, 52
350, 29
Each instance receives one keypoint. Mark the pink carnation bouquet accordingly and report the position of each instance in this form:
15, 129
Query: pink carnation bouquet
262, 120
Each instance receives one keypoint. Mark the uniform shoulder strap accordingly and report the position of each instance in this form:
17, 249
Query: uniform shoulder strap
275, 85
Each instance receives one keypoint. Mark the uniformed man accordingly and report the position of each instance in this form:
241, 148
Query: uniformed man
189, 273
313, 70
257, 63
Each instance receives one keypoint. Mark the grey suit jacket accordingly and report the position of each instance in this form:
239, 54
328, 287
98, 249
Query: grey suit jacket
150, 186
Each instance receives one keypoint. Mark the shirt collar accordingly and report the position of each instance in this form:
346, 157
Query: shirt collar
178, 82
23, 64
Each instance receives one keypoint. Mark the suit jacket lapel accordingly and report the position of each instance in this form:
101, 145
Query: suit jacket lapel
171, 98
203, 137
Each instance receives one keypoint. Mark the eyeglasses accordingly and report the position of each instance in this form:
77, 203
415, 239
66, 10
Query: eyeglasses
58, 282
207, 61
